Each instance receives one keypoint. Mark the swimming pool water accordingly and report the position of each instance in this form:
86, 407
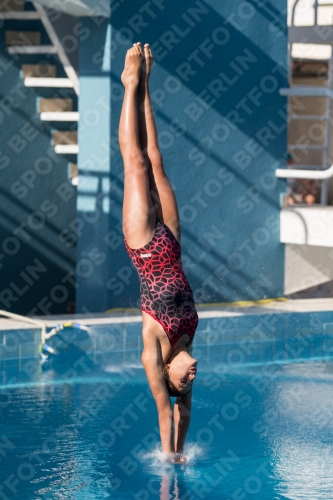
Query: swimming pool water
86, 428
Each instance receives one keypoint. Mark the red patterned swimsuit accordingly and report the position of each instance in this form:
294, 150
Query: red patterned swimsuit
165, 293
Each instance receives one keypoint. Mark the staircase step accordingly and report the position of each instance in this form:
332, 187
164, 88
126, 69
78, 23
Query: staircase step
25, 15
64, 137
59, 116
73, 173
32, 49
23, 38
66, 149
307, 91
73, 170
307, 147
52, 105
310, 34
39, 71
319, 118
11, 5
48, 82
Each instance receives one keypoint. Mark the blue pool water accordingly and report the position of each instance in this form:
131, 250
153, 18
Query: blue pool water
86, 427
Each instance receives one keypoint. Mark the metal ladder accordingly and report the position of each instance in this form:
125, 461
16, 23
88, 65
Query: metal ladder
311, 34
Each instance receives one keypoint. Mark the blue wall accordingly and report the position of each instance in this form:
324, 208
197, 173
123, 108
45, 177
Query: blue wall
37, 201
222, 128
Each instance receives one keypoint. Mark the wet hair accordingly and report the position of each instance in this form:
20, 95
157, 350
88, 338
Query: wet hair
172, 390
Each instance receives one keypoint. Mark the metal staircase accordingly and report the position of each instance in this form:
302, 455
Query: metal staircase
306, 229
43, 75
319, 32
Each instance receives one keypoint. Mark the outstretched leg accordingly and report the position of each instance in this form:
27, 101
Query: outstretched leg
138, 214
163, 196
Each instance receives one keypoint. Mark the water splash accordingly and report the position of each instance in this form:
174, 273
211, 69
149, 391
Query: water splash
156, 457
193, 452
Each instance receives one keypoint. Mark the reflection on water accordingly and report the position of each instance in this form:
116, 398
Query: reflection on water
169, 488
305, 469
298, 425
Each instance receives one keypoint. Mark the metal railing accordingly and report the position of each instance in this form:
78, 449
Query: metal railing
290, 173
19, 317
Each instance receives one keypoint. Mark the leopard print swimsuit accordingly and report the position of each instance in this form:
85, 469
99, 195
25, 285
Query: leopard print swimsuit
165, 293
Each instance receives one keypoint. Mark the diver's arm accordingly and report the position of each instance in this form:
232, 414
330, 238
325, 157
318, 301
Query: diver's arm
152, 365
182, 418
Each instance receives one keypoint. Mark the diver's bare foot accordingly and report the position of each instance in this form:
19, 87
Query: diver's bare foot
148, 61
131, 74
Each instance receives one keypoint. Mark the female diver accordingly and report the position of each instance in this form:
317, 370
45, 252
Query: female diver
152, 239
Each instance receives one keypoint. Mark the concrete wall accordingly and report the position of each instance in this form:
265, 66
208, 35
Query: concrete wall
37, 201
222, 131
307, 267
307, 225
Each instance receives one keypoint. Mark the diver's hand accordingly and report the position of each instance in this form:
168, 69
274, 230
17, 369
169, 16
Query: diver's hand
179, 458
174, 458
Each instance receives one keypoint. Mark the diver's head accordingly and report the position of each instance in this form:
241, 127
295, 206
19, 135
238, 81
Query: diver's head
180, 373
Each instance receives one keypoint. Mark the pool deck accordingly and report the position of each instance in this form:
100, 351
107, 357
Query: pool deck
213, 311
